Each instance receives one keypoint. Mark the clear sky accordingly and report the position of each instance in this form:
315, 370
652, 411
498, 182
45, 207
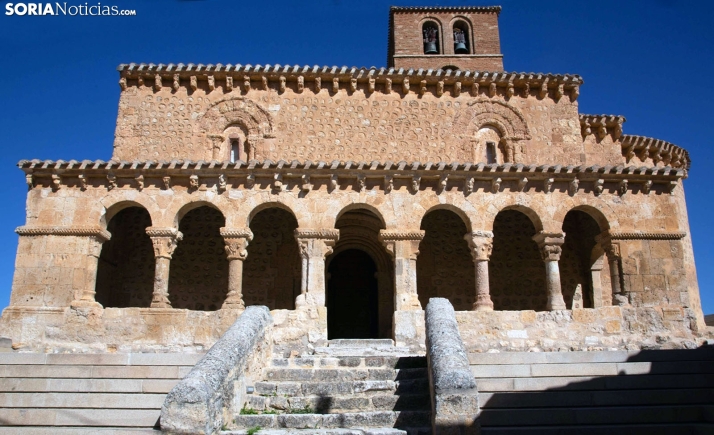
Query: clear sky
648, 61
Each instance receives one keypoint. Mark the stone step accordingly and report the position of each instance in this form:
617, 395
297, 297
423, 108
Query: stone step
273, 374
701, 354
544, 399
289, 389
372, 431
639, 382
597, 415
93, 372
308, 361
81, 400
591, 369
79, 417
54, 430
374, 343
48, 385
328, 421
324, 404
121, 359
644, 429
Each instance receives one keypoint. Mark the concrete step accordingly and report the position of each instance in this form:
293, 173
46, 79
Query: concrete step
120, 359
81, 400
274, 374
644, 429
345, 362
49, 385
591, 369
597, 415
324, 404
700, 354
289, 389
93, 372
79, 417
638, 382
376, 419
545, 399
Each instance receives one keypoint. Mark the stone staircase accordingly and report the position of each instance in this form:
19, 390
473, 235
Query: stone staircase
615, 392
86, 393
349, 387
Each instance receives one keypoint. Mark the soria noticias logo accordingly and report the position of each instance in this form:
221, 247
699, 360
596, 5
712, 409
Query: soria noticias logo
63, 8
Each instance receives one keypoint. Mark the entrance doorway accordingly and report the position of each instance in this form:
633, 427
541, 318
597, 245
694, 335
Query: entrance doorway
352, 296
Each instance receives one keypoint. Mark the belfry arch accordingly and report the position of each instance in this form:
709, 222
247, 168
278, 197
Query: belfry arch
359, 277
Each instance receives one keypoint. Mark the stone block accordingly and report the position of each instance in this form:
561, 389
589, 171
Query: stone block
613, 326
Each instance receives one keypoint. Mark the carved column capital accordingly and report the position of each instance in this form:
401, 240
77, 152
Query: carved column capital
316, 242
550, 245
402, 243
611, 248
480, 244
236, 240
164, 241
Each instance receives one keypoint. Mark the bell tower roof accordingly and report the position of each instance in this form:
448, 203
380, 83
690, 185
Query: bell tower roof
459, 37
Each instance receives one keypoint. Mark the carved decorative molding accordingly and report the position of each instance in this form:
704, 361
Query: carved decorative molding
391, 235
162, 232
655, 149
311, 233
640, 235
245, 233
81, 231
602, 125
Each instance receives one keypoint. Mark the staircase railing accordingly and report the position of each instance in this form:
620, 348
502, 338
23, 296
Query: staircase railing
454, 396
205, 400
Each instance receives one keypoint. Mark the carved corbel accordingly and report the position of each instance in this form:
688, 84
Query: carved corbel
526, 90
602, 131
82, 181
361, 183
229, 83
416, 181
56, 182
510, 90
474, 89
193, 82
282, 85
300, 84
573, 186
305, 184
586, 130
371, 85
318, 85
671, 186
139, 182
211, 83
622, 187
599, 186
222, 183
122, 83
468, 186
157, 82
548, 184
457, 89
177, 82
388, 86
335, 85
353, 85
193, 182
492, 89
543, 89
574, 93
440, 88
278, 185
522, 183
246, 84
388, 183
496, 185
249, 181
264, 82
167, 183
422, 87
140, 80
112, 181
559, 91
333, 182
405, 85
647, 187
443, 180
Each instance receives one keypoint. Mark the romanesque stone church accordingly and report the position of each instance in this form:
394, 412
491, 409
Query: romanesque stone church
345, 199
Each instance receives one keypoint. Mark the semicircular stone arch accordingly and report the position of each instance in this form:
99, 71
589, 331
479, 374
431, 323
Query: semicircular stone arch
113, 203
498, 114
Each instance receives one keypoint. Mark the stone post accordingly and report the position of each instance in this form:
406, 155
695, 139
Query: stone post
314, 245
236, 243
550, 248
481, 246
87, 299
164, 241
404, 249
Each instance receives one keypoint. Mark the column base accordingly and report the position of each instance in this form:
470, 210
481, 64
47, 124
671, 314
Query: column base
620, 300
556, 305
83, 303
483, 304
233, 305
160, 302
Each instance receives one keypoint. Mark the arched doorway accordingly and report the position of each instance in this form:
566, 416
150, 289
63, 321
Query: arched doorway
352, 296
578, 260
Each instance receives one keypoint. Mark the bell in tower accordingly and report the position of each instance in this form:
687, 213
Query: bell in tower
431, 39
460, 42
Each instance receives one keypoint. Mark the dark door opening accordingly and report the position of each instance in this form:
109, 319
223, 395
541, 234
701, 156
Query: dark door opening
352, 306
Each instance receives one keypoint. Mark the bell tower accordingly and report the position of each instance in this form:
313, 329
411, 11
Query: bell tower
460, 37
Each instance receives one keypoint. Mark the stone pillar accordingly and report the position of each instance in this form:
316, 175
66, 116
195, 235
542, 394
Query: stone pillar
612, 251
550, 248
404, 248
314, 245
164, 241
236, 243
87, 299
481, 246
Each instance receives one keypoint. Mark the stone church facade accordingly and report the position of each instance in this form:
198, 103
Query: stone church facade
344, 198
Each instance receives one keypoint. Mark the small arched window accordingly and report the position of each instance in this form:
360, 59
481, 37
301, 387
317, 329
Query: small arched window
235, 150
461, 38
430, 31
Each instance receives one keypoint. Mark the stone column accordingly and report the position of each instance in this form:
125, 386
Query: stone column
236, 243
550, 248
612, 251
314, 245
404, 248
481, 246
164, 241
87, 299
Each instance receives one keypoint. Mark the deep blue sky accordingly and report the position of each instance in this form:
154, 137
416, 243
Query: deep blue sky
649, 61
